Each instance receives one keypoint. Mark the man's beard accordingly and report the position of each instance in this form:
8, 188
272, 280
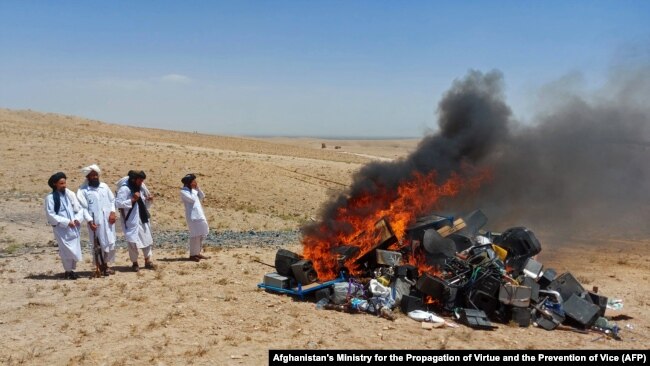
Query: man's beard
93, 183
61, 190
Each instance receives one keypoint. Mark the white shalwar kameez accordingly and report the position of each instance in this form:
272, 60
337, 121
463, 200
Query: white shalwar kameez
195, 218
98, 203
136, 233
68, 239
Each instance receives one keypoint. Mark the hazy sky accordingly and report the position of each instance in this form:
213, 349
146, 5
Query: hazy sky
331, 68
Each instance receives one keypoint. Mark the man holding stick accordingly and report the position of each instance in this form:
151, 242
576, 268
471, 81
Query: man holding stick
98, 202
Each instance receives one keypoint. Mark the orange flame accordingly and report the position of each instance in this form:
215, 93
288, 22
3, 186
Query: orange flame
354, 224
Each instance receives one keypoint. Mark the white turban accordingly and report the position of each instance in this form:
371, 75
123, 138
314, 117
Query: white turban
90, 168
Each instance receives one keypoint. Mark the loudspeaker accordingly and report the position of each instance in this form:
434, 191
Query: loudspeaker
303, 271
410, 303
283, 261
547, 277
581, 310
600, 301
486, 296
433, 286
521, 316
566, 285
521, 244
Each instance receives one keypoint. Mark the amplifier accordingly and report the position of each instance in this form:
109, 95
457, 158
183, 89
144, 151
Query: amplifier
276, 280
304, 272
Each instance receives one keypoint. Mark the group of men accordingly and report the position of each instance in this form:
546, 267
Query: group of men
95, 204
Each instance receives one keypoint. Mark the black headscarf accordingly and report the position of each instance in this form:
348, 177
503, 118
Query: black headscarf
52, 183
187, 180
142, 208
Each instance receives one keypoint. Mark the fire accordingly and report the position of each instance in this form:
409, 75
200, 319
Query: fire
355, 223
429, 300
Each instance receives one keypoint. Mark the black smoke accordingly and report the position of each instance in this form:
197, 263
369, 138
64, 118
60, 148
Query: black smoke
580, 166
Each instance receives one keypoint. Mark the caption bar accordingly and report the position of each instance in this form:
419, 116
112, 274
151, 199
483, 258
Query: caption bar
420, 357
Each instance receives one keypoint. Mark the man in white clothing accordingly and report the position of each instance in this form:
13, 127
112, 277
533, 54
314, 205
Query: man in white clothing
98, 202
65, 215
134, 201
191, 195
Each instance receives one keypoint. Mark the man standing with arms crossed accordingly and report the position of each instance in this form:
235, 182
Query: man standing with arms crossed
134, 200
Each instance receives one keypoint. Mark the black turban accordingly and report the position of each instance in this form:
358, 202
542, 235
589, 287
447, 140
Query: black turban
55, 178
188, 179
135, 174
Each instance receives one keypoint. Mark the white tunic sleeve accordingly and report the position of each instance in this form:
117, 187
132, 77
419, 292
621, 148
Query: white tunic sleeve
54, 218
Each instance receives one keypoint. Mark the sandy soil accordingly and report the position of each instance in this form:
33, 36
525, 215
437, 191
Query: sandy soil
212, 312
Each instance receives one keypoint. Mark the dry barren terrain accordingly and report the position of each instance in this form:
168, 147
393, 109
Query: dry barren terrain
212, 312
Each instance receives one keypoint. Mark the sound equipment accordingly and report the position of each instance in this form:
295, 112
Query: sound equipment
580, 310
284, 259
276, 280
303, 272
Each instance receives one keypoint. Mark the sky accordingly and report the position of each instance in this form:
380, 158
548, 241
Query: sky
363, 69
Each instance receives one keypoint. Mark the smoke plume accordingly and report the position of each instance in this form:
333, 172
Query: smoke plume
581, 164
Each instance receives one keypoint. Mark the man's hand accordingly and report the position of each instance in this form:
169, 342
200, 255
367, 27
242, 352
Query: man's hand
112, 218
93, 226
136, 197
150, 197
71, 224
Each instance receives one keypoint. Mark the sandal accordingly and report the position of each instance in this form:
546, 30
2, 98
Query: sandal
135, 267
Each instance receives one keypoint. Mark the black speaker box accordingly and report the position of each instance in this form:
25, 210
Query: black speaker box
303, 272
283, 261
600, 301
484, 301
521, 244
432, 286
566, 285
410, 303
547, 277
521, 316
580, 310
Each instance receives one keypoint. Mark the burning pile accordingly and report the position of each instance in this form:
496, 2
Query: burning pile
450, 265
379, 246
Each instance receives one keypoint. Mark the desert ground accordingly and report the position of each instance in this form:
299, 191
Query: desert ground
212, 312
